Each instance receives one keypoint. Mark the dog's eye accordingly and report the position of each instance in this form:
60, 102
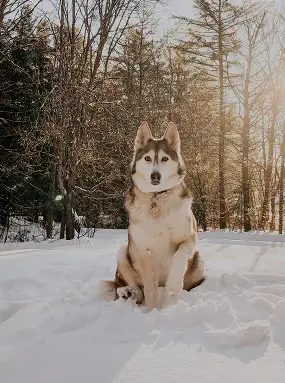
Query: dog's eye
148, 159
164, 159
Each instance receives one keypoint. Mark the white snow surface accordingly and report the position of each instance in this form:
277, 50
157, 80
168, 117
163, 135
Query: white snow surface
53, 328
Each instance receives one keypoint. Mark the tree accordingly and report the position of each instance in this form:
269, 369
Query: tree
272, 106
84, 34
24, 83
212, 38
248, 91
282, 153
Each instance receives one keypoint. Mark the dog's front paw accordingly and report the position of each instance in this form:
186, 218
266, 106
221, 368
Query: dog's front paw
169, 298
172, 289
171, 294
133, 293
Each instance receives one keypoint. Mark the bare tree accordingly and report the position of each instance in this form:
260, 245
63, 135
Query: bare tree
248, 92
86, 37
212, 39
281, 182
282, 154
273, 74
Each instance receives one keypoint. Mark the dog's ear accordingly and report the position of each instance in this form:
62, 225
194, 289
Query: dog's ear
143, 135
171, 135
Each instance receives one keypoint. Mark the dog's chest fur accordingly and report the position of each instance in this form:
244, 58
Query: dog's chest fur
159, 223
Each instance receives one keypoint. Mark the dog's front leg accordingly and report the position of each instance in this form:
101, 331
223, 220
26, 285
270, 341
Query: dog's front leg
150, 282
178, 267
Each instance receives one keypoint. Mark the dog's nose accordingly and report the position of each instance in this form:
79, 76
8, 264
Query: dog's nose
155, 177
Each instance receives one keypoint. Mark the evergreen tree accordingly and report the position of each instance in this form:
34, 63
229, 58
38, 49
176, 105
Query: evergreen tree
24, 79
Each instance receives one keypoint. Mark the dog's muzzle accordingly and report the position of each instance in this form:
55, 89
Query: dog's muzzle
155, 178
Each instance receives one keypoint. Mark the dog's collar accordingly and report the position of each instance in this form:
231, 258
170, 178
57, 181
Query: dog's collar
153, 194
160, 192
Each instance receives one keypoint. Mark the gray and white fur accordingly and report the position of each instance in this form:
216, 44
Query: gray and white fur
162, 231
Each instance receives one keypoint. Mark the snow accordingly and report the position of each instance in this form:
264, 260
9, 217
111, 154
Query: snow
54, 329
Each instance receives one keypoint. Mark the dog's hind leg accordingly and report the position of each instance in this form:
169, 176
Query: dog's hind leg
133, 294
131, 289
194, 275
107, 290
127, 284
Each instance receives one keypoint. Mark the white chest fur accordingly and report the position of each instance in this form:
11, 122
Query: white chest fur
159, 225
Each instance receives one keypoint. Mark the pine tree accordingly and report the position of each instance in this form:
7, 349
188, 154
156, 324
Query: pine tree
24, 82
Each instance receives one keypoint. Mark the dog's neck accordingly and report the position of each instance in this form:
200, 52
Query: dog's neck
157, 194
160, 192
156, 201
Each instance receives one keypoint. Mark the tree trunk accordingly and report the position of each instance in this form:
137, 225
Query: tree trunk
7, 223
245, 150
265, 205
141, 71
62, 226
69, 218
268, 176
222, 126
281, 186
245, 184
204, 220
275, 187
5, 218
51, 192
273, 213
2, 11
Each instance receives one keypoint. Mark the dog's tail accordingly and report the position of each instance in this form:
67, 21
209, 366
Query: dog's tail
107, 291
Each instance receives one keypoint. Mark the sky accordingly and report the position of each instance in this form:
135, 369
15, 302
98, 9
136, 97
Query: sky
165, 12
174, 7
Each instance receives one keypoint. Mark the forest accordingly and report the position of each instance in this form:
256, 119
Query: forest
78, 78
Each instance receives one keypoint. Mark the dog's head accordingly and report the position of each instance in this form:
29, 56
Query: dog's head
157, 163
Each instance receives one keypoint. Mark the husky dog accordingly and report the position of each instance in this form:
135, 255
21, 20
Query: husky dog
162, 229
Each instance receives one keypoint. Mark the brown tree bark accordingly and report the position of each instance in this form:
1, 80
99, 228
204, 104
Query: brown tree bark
275, 187
3, 5
281, 182
268, 175
245, 148
51, 195
222, 131
70, 233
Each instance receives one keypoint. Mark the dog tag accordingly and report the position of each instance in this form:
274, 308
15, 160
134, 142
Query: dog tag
154, 209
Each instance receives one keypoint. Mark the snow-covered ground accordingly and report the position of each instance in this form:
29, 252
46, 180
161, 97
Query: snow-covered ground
54, 330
